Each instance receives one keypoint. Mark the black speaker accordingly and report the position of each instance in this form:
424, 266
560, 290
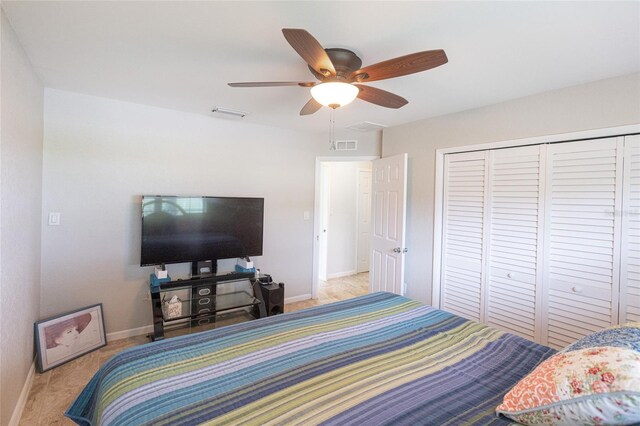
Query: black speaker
273, 295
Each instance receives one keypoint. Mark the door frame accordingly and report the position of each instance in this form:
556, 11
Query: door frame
537, 140
316, 213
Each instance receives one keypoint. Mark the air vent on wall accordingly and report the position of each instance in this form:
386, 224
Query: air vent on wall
365, 126
347, 145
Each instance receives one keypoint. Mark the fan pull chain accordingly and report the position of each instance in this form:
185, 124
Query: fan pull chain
332, 125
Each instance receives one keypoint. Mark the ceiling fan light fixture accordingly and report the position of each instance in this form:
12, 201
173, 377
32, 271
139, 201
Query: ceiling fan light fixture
334, 94
341, 74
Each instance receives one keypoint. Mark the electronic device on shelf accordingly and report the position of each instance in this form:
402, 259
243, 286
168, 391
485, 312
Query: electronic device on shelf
265, 279
178, 229
273, 297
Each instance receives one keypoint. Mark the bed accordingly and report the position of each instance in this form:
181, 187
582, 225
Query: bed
372, 360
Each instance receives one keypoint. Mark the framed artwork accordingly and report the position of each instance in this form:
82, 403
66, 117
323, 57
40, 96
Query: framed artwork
65, 337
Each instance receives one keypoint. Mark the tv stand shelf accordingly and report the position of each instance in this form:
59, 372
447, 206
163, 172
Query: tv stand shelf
205, 302
223, 302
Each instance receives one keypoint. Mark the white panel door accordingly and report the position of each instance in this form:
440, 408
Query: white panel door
463, 234
364, 220
325, 186
514, 252
389, 190
630, 253
582, 228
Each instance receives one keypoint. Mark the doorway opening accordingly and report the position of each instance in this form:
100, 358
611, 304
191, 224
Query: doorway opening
342, 227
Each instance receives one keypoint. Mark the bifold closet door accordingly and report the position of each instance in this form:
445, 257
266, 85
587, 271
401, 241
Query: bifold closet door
630, 253
463, 234
582, 232
514, 250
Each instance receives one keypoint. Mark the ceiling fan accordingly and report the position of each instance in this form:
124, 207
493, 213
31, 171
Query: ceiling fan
341, 75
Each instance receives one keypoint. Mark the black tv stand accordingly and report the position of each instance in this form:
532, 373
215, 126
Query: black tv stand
205, 303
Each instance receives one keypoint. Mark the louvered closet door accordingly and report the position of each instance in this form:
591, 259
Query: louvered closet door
630, 253
583, 196
514, 249
463, 234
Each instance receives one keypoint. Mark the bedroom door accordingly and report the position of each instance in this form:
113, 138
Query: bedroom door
324, 219
363, 225
389, 200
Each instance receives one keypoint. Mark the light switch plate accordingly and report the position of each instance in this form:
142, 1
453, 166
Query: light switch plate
54, 218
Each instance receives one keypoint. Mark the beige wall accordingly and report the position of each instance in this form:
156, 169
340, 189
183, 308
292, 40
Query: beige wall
101, 155
605, 103
20, 217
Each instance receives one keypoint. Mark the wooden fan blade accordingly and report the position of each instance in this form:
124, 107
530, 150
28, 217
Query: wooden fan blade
380, 97
310, 107
272, 84
408, 64
310, 50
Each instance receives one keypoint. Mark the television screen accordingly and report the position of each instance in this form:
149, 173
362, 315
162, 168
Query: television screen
191, 229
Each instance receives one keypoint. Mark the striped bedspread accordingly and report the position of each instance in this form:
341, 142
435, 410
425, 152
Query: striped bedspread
373, 360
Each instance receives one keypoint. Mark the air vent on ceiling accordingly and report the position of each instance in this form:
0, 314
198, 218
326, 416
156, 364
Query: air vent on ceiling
228, 112
365, 126
347, 145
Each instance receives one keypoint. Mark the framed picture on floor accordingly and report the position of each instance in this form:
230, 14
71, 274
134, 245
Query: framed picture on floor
65, 337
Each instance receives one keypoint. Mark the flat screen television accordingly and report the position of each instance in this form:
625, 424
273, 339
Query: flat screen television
190, 229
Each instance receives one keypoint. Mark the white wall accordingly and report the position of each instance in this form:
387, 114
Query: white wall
605, 103
101, 155
343, 204
20, 217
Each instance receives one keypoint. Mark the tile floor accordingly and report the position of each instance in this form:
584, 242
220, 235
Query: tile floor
53, 391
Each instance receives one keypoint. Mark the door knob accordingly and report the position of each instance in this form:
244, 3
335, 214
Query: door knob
397, 250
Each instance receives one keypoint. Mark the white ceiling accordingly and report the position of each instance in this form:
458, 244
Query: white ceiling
180, 55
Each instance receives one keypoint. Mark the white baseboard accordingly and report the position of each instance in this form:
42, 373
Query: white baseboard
297, 298
117, 335
340, 274
24, 395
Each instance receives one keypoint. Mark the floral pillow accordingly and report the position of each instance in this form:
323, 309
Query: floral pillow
593, 386
623, 336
